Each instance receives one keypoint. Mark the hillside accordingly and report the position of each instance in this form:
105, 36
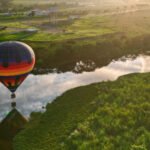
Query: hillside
109, 115
9, 127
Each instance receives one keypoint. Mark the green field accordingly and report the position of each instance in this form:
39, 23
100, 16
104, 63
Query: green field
103, 115
131, 24
82, 28
29, 2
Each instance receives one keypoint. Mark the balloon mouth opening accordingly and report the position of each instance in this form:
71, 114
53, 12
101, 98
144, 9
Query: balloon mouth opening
13, 96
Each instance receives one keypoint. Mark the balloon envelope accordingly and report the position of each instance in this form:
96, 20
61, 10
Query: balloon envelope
16, 62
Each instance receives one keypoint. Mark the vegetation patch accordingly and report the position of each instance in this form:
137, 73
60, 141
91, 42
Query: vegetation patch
108, 115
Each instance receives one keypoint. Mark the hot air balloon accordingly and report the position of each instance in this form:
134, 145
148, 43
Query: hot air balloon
17, 60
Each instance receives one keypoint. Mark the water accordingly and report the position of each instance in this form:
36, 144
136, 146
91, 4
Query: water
38, 90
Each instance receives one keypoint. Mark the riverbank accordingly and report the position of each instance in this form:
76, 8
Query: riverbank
101, 50
93, 116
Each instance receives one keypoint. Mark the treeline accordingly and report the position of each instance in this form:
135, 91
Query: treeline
63, 55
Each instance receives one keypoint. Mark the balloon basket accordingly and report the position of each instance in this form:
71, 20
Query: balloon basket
13, 104
13, 96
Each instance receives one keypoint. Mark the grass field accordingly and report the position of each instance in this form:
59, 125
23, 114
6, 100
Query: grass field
82, 28
132, 24
33, 2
